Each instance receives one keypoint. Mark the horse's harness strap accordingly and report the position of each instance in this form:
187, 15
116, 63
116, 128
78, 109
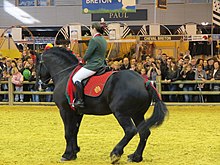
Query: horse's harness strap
42, 63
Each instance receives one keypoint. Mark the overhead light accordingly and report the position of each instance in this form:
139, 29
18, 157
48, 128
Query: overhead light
204, 23
19, 14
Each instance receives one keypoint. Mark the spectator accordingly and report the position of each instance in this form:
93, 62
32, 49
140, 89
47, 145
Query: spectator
8, 65
35, 98
163, 66
133, 67
26, 74
180, 64
153, 72
205, 66
169, 60
133, 61
25, 55
17, 80
200, 61
171, 76
210, 64
33, 56
5, 77
139, 67
116, 66
31, 63
6, 74
13, 64
126, 64
159, 54
187, 54
164, 70
215, 75
20, 65
180, 56
143, 55
147, 63
200, 74
143, 74
194, 63
188, 74
186, 60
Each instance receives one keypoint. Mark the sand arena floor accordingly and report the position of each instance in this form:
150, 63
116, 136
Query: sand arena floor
31, 135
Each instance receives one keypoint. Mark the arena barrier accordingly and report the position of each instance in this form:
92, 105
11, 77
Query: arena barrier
159, 83
11, 93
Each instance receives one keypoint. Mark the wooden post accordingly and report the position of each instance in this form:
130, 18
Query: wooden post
10, 92
158, 84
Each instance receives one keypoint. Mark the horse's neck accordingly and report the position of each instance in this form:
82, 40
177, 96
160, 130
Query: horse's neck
59, 72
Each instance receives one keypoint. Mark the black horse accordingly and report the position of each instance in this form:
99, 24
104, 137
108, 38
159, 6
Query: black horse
125, 95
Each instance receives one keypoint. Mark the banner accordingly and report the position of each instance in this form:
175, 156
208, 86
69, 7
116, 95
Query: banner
161, 38
140, 15
162, 4
108, 6
216, 12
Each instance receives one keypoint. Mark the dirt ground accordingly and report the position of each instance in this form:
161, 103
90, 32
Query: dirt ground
31, 135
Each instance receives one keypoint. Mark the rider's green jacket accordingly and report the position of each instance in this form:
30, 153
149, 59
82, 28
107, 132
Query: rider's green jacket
95, 54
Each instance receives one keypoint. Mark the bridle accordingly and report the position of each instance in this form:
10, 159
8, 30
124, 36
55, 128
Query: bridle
45, 82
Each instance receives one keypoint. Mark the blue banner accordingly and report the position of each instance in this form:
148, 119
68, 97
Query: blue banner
108, 6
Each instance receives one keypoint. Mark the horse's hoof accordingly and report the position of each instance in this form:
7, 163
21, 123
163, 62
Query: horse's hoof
65, 159
134, 158
115, 158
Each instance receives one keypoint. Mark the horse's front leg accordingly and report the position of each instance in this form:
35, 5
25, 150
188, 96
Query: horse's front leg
129, 129
71, 122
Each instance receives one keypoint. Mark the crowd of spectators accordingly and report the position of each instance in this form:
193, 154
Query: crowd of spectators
20, 70
185, 67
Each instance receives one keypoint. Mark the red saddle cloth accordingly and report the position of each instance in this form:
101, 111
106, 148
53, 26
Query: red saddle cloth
94, 87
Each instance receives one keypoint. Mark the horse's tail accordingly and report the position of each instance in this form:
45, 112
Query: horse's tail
160, 110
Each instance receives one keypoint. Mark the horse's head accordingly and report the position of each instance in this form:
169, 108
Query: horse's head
42, 74
55, 63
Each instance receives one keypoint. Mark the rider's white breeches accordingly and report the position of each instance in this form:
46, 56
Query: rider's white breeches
82, 74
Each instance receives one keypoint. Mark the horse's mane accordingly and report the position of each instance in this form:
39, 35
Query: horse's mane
65, 56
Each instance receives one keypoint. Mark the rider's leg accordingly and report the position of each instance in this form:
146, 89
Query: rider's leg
83, 73
79, 103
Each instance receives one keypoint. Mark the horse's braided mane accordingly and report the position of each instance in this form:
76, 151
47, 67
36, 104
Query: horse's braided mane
65, 55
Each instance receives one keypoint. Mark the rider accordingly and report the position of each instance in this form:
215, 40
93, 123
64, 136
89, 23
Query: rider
94, 59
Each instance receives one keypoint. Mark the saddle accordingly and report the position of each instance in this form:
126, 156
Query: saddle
93, 86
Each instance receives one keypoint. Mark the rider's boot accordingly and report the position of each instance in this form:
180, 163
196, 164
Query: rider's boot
79, 103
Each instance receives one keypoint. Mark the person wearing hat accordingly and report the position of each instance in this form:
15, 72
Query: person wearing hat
94, 59
48, 46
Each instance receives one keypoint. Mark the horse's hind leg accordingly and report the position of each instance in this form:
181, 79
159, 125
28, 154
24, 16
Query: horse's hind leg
129, 129
71, 125
144, 134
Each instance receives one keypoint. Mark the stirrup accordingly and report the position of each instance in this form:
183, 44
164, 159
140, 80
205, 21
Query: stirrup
79, 104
